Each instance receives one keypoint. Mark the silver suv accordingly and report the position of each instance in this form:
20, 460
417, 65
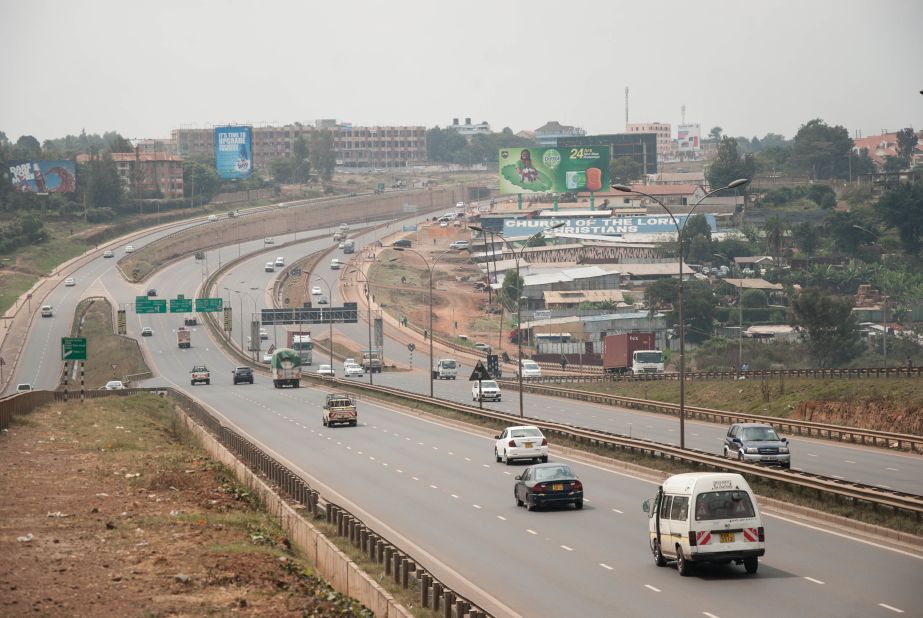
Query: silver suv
757, 443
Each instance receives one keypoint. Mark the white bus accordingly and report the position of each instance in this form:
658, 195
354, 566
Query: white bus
304, 346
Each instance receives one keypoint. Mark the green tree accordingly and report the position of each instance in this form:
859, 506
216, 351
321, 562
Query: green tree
444, 145
100, 181
697, 245
775, 229
715, 134
906, 144
806, 238
322, 155
901, 208
301, 170
829, 327
842, 230
200, 177
624, 170
511, 290
29, 147
698, 305
729, 165
116, 143
282, 169
754, 299
821, 151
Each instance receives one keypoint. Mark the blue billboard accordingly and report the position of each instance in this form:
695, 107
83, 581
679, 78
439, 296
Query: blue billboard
233, 152
43, 176
602, 226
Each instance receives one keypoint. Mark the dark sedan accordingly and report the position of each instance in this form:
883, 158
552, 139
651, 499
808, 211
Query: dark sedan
548, 483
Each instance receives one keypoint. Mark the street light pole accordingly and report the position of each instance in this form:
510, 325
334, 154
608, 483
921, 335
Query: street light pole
679, 290
369, 305
518, 256
329, 316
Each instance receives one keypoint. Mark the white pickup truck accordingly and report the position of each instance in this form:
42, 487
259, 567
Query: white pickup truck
484, 390
199, 374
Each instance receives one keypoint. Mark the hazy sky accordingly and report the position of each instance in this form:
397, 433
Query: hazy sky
750, 66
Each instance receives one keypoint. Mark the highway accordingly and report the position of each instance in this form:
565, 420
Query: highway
436, 491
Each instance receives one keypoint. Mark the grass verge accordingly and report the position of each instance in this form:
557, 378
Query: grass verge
109, 356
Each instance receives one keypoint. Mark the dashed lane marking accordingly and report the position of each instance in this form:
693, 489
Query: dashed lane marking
816, 581
566, 548
605, 566
501, 517
618, 511
531, 531
893, 609
652, 588
477, 506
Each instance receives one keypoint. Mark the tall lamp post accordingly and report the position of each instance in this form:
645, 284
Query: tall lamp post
431, 268
884, 338
368, 304
679, 290
518, 255
329, 316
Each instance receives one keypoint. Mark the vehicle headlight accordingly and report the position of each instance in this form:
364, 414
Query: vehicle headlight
752, 450
783, 449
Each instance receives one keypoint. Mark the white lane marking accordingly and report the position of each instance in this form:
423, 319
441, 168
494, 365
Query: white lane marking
451, 453
477, 506
709, 614
811, 455
501, 517
506, 473
605, 566
844, 536
399, 471
566, 548
484, 466
384, 463
455, 496
618, 511
433, 487
652, 588
848, 461
419, 444
893, 609
415, 478
531, 531
435, 448
885, 486
816, 581
467, 459
892, 469
371, 458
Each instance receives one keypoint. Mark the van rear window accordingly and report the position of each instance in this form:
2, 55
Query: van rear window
723, 505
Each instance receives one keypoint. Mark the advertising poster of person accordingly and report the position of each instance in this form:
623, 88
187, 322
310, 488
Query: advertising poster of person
556, 170
43, 176
233, 152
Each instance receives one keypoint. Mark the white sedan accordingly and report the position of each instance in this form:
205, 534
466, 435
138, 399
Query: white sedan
353, 370
326, 370
530, 369
130, 249
521, 442
70, 282
114, 385
316, 291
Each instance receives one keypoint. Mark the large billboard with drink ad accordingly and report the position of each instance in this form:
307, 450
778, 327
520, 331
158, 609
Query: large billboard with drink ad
233, 152
43, 176
555, 170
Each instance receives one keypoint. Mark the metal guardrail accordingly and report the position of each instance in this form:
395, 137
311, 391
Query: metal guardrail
855, 435
587, 375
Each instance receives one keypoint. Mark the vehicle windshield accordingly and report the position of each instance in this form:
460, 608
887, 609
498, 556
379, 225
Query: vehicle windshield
448, 364
529, 365
488, 384
526, 432
649, 357
557, 472
760, 434
723, 505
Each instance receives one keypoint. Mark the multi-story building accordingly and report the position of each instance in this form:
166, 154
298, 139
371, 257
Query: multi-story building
549, 133
354, 146
663, 132
147, 174
469, 130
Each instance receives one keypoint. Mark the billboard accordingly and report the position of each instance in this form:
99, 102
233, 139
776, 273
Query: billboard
602, 226
233, 152
557, 170
688, 138
43, 176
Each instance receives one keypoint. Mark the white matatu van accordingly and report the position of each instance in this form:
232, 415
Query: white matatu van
705, 517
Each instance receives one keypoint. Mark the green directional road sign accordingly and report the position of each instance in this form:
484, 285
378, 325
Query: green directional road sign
208, 305
143, 304
180, 304
73, 348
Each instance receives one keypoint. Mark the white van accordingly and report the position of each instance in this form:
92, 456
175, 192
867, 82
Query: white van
445, 369
705, 517
335, 264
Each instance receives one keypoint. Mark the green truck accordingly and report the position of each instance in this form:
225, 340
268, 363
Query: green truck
286, 368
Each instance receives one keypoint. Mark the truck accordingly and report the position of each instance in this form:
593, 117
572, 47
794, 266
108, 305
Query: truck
300, 341
372, 361
199, 374
340, 409
631, 352
339, 236
349, 246
183, 339
285, 367
445, 369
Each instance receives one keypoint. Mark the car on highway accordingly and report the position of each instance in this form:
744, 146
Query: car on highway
326, 370
47, 311
25, 387
521, 442
267, 357
483, 347
152, 292
269, 240
403, 242
242, 374
342, 245
264, 335
322, 300
443, 224
190, 320
548, 484
529, 369
757, 443
485, 390
147, 331
108, 253
70, 282
353, 370
270, 267
129, 249
280, 261
316, 291
460, 245
114, 385
212, 218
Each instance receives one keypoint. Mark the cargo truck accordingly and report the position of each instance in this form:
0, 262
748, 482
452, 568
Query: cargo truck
285, 367
631, 352
445, 369
371, 361
183, 338
300, 341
